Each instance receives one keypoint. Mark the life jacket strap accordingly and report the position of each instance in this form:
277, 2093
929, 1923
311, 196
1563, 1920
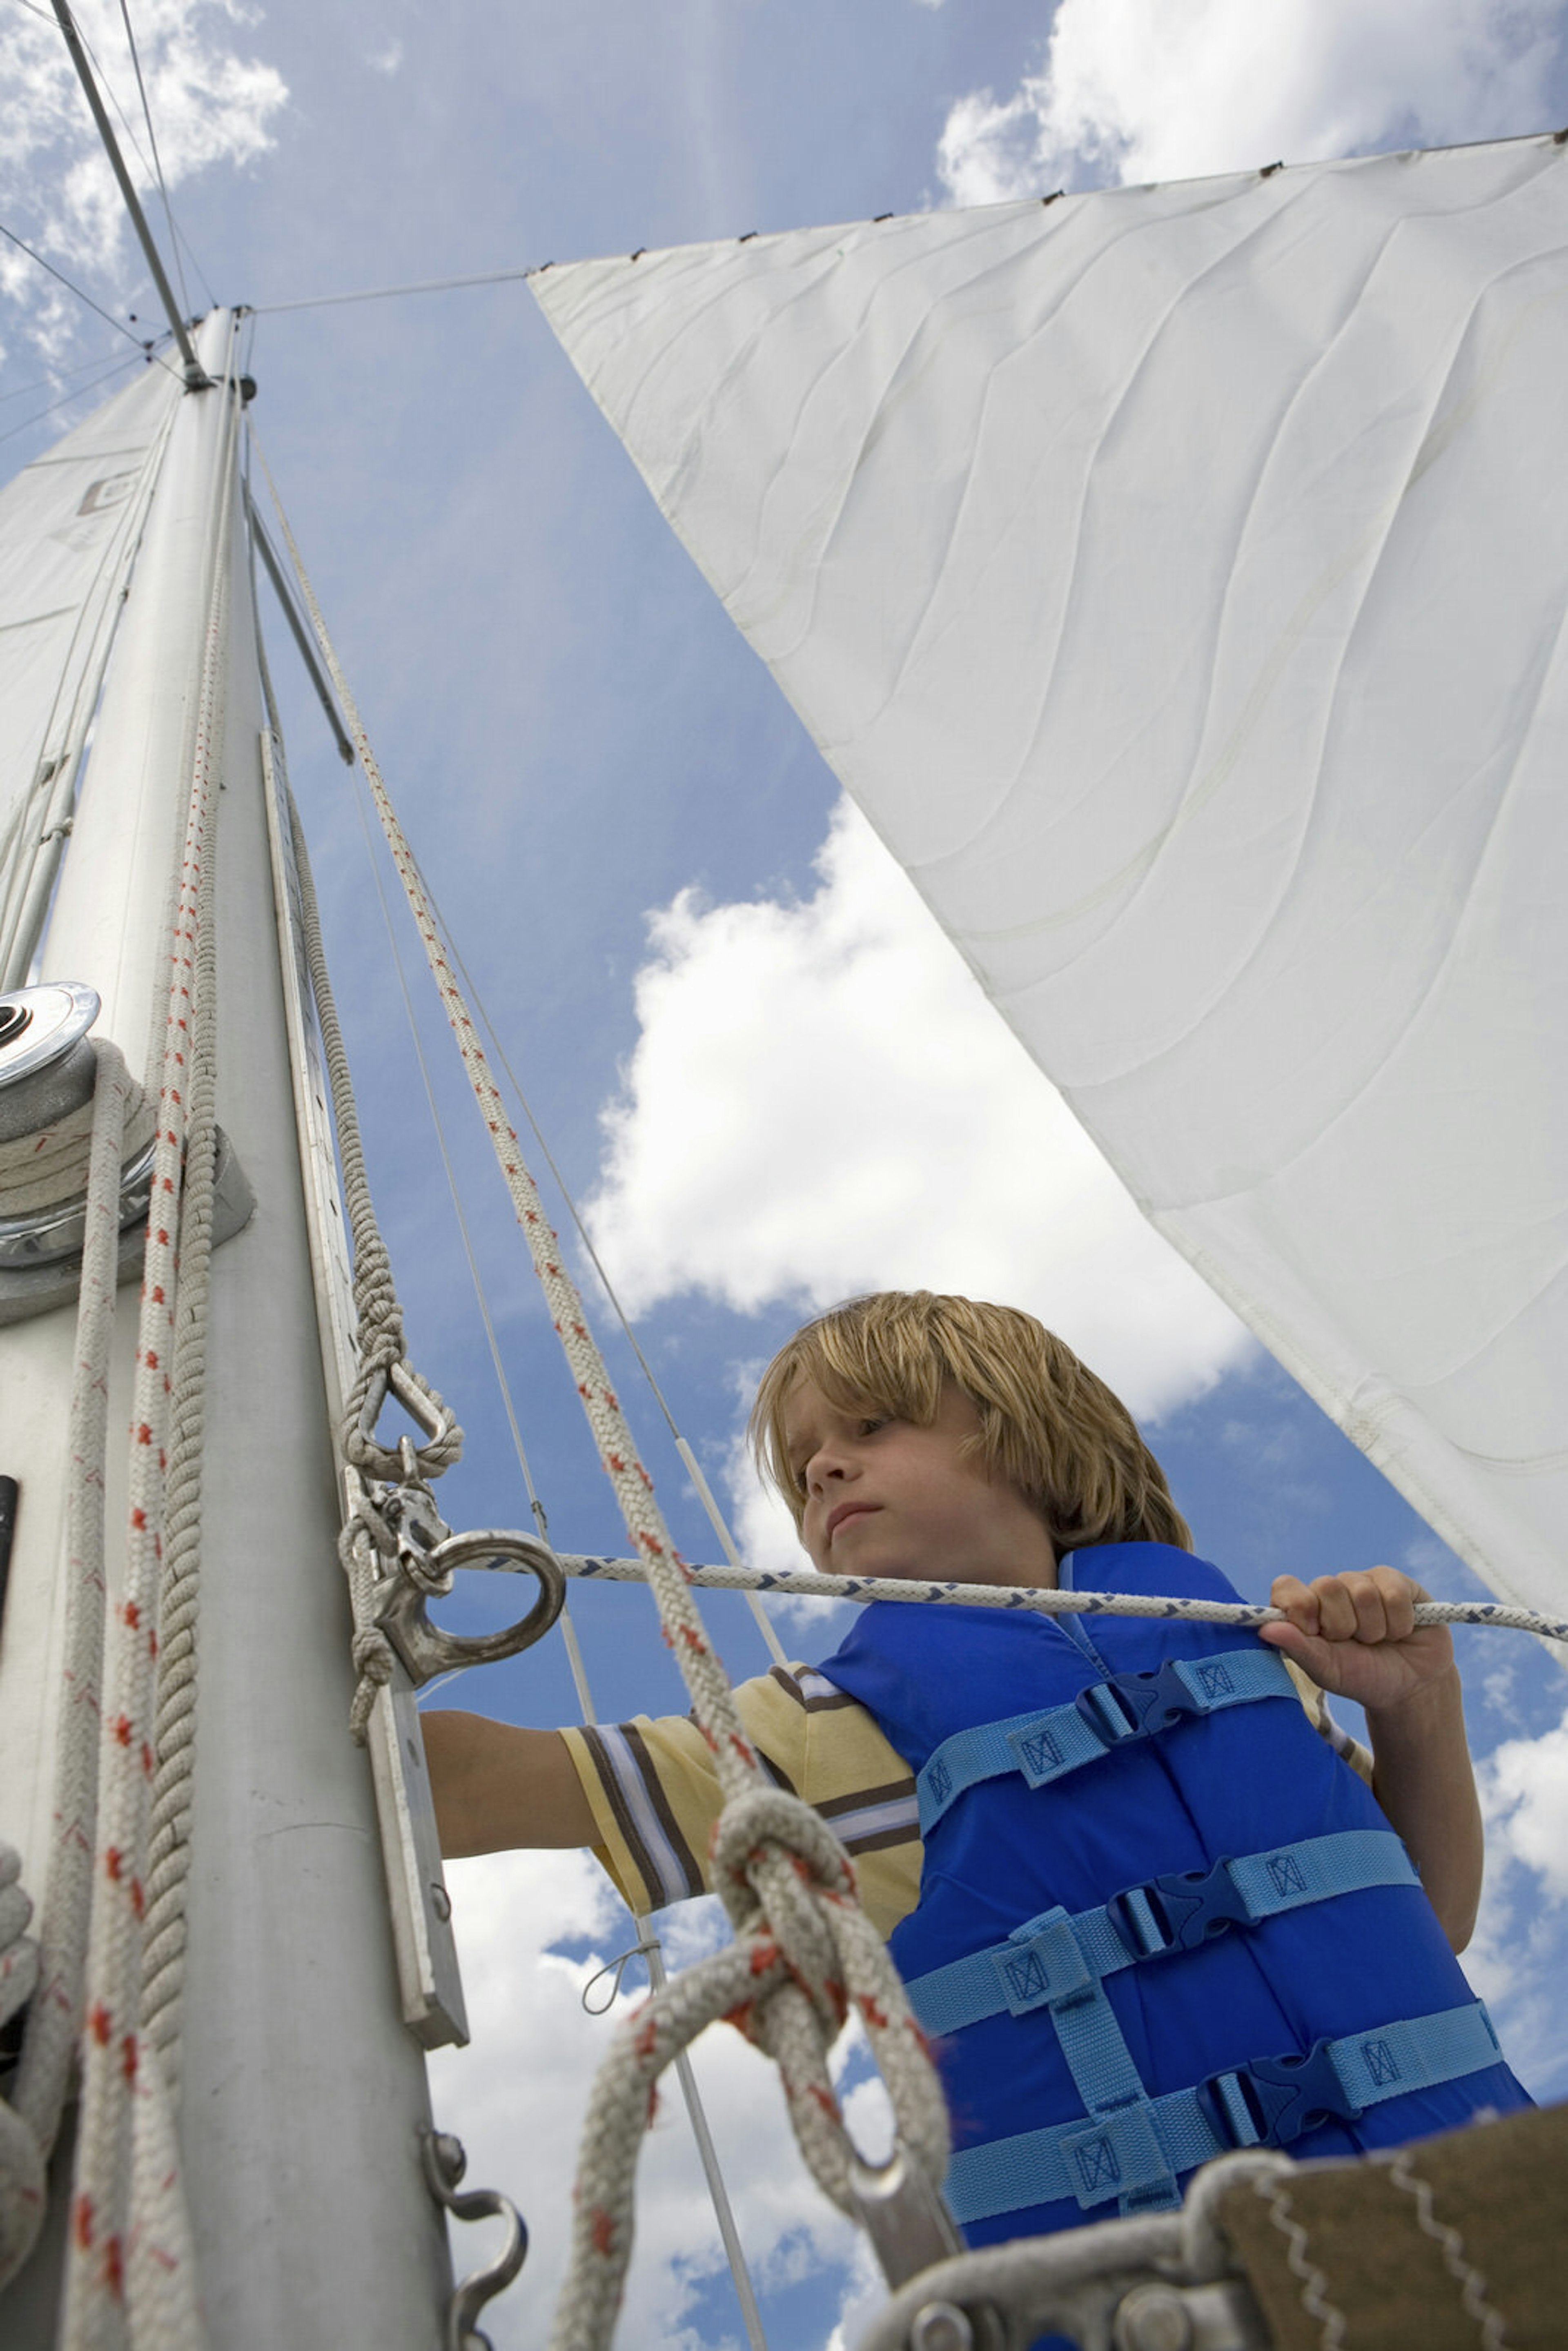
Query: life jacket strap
1134, 2154
1107, 1715
1055, 1959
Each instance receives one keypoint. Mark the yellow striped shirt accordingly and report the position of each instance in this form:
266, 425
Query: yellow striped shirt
656, 1796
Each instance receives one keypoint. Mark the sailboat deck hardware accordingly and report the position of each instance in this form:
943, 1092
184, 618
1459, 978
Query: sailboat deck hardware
443, 2162
425, 1648
47, 1065
911, 2229
1161, 2282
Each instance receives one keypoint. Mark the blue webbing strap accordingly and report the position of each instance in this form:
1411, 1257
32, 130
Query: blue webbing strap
1045, 1747
1054, 1957
1132, 2154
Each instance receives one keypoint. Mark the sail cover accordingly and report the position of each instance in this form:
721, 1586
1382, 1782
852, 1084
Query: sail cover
67, 524
1176, 577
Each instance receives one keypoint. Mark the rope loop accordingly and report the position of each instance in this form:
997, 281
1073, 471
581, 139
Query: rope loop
595, 2004
775, 1859
386, 1375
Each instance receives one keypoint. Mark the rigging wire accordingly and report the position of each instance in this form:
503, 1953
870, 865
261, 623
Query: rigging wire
178, 237
61, 375
384, 293
145, 348
81, 390
174, 240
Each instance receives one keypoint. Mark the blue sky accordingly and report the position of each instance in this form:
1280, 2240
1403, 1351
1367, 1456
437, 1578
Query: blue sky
581, 746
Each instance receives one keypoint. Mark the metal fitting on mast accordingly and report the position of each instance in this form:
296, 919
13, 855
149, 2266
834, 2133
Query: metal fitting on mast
48, 1074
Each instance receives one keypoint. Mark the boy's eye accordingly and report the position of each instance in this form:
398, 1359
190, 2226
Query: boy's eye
872, 1422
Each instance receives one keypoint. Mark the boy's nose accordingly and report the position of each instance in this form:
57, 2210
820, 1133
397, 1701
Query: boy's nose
823, 1464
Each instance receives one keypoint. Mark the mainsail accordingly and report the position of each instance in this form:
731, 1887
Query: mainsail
1176, 577
69, 530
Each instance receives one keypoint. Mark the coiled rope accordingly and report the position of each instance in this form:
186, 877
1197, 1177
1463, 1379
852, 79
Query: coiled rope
49, 1168
804, 1955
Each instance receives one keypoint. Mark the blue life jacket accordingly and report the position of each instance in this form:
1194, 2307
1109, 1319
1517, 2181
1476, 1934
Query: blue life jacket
1194, 1932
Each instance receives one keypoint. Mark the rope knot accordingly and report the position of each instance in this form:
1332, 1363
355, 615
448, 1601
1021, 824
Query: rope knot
780, 1871
373, 1664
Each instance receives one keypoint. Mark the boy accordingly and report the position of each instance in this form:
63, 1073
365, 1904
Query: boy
1144, 1909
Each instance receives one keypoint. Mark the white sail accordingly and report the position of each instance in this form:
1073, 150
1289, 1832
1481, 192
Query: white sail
1176, 577
68, 528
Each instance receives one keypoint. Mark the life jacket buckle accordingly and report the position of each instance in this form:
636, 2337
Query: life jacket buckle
1177, 1911
1134, 1706
1282, 2097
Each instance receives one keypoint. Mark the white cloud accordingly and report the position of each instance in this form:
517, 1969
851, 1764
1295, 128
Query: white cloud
823, 1101
516, 2099
208, 105
1516, 1961
1154, 89
1525, 1787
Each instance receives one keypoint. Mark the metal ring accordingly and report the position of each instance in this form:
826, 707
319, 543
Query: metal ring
426, 1649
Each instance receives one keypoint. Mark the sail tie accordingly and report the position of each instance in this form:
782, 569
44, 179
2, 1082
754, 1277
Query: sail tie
804, 1954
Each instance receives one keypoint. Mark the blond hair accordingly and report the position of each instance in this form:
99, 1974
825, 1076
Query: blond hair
1048, 1425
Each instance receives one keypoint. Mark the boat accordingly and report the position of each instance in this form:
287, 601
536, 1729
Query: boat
315, 1960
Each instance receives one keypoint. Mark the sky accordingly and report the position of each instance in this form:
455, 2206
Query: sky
766, 1078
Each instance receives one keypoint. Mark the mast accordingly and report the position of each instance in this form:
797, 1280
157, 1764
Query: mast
303, 2096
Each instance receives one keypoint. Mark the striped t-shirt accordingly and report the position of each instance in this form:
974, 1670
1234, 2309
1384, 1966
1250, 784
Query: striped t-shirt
656, 1795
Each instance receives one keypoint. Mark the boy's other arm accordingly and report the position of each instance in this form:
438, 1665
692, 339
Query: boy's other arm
1356, 1636
496, 1786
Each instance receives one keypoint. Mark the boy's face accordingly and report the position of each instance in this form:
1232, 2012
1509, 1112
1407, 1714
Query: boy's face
886, 1498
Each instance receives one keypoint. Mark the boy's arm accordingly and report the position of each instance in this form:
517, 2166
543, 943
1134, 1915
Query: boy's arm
496, 1786
1356, 1636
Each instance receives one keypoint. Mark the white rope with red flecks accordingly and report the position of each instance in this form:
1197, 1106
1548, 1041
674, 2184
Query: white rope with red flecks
129, 2272
30, 2124
365, 1549
804, 1955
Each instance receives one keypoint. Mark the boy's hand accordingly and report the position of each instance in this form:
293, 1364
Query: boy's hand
1355, 1634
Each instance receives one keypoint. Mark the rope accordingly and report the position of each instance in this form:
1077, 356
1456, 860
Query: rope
379, 1315
174, 1737
130, 2274
54, 2017
380, 1334
803, 1952
807, 1584
49, 1168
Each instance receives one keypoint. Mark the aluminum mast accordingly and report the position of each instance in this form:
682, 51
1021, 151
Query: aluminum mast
303, 2093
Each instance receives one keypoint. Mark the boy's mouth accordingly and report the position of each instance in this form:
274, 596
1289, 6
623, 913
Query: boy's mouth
846, 1511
